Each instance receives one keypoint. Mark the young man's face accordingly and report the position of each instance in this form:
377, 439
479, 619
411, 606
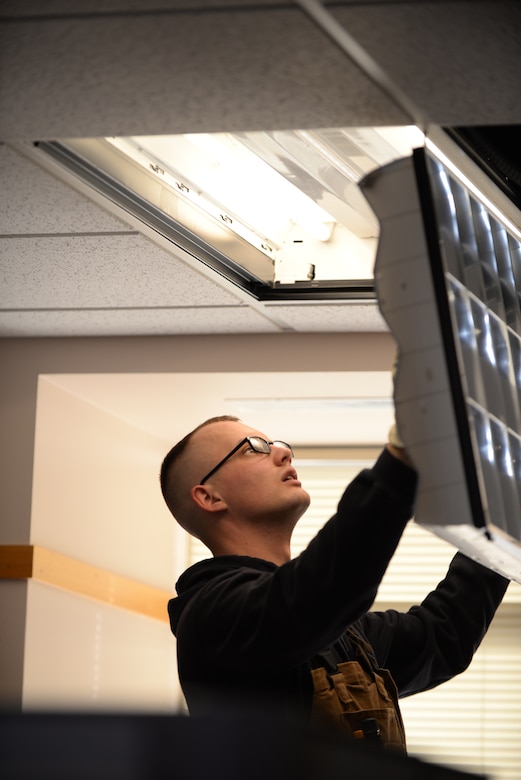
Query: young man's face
254, 484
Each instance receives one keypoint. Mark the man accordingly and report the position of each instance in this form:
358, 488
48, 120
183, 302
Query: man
258, 632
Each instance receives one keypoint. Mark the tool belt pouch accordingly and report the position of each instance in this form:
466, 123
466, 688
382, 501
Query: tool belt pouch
352, 698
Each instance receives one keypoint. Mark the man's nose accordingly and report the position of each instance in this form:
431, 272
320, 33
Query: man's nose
281, 454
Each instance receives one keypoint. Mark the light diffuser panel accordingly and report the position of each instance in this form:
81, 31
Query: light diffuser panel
448, 280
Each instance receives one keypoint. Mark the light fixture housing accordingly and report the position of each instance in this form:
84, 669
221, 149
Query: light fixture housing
279, 214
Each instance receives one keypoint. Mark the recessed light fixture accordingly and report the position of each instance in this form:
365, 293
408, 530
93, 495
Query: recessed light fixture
278, 213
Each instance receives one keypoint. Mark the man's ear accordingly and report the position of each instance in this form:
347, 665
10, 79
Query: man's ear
208, 499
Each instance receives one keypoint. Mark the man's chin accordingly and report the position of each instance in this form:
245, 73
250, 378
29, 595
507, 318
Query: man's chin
303, 501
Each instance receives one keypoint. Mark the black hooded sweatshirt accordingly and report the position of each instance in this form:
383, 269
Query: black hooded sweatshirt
247, 630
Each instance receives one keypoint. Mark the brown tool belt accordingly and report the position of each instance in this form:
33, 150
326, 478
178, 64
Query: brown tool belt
359, 699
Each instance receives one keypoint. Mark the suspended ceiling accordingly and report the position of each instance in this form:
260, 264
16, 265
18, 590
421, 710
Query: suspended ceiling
75, 264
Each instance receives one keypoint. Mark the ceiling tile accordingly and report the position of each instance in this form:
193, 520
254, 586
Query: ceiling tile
457, 61
81, 7
324, 317
133, 322
34, 201
100, 271
133, 74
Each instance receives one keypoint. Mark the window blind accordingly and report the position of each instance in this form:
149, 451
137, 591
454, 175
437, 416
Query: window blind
474, 721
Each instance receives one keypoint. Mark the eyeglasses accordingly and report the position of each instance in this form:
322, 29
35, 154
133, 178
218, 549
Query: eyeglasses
257, 444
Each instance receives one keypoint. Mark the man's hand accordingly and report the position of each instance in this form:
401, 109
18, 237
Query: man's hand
394, 438
400, 454
395, 444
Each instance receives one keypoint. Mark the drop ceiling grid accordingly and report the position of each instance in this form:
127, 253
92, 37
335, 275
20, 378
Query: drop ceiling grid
68, 267
71, 268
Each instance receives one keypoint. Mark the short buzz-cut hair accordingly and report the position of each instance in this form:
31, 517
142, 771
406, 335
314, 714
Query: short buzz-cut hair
168, 486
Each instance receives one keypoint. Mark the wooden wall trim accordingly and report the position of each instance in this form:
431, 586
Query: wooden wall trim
61, 571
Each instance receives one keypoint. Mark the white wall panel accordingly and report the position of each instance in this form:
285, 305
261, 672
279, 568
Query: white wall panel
83, 655
96, 493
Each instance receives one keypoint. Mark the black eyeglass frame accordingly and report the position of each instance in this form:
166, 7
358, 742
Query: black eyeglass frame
253, 442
